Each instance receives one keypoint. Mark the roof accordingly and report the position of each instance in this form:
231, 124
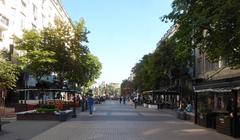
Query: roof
162, 90
221, 86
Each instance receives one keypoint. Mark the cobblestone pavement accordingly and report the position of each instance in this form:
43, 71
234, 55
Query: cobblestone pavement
25, 130
114, 121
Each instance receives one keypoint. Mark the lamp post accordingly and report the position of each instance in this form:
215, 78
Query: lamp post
74, 103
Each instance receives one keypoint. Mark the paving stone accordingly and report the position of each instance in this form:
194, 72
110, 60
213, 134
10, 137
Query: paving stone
113, 121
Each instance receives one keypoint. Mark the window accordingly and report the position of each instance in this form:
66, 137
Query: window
34, 26
1, 36
35, 11
43, 19
23, 19
24, 4
13, 12
43, 2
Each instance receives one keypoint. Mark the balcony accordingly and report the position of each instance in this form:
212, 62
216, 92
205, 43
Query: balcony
4, 22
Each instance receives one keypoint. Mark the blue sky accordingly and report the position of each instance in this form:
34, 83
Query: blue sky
122, 31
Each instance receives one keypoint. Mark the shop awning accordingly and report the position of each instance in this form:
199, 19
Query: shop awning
220, 86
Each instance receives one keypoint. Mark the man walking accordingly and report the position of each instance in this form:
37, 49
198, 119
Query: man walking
120, 99
90, 102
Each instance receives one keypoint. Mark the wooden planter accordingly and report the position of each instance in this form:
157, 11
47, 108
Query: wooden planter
31, 115
25, 107
20, 107
224, 125
37, 116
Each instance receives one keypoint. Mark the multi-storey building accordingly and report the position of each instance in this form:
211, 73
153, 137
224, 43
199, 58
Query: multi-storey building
170, 32
16, 15
207, 70
217, 89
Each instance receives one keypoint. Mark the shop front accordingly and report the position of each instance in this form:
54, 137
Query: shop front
217, 105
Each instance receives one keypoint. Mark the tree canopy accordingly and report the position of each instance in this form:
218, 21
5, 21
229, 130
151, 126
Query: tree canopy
211, 26
8, 74
59, 49
160, 68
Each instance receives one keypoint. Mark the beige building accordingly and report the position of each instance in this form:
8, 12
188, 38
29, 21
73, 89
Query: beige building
205, 69
16, 15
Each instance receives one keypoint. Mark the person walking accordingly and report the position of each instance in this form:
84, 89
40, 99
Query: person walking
120, 99
135, 100
124, 100
90, 102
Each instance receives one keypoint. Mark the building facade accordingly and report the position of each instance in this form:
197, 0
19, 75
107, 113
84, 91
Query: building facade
207, 70
16, 15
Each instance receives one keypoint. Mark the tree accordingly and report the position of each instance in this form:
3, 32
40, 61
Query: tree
85, 70
126, 87
160, 68
59, 49
211, 26
37, 59
8, 74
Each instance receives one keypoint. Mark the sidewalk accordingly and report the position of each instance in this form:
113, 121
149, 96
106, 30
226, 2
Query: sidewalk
112, 121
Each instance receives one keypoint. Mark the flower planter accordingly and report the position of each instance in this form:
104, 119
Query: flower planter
152, 106
51, 116
145, 105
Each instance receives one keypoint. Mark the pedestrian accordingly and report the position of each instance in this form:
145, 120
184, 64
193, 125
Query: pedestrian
120, 100
90, 102
124, 100
135, 102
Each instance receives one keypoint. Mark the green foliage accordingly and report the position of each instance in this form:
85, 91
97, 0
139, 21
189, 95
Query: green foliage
211, 26
126, 87
60, 49
159, 68
46, 106
37, 59
45, 110
8, 74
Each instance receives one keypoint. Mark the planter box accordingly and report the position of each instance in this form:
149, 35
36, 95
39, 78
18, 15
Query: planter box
145, 105
25, 107
20, 107
32, 115
224, 125
152, 106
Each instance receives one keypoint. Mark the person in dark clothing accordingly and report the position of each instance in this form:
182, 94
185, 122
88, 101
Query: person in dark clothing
124, 100
120, 100
135, 100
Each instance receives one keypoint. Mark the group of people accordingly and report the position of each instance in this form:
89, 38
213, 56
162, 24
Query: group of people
122, 99
187, 108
